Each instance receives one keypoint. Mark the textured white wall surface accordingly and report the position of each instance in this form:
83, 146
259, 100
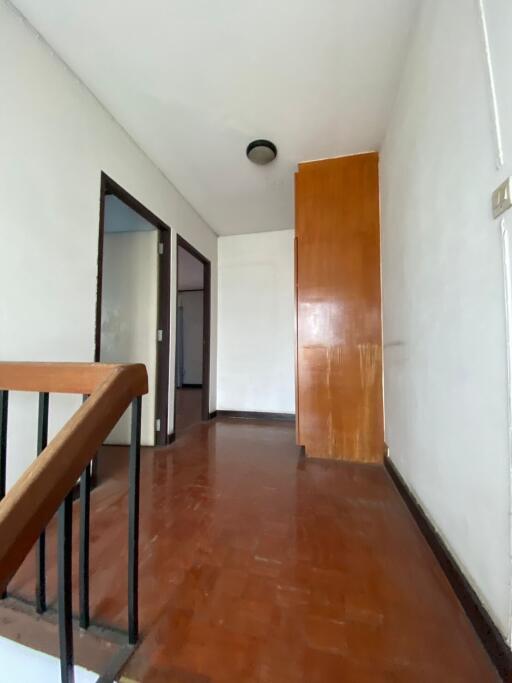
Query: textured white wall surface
444, 267
129, 317
256, 322
55, 141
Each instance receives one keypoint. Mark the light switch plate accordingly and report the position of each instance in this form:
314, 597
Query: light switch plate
502, 198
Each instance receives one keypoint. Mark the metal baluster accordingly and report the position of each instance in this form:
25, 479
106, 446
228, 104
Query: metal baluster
64, 590
4, 401
42, 440
85, 504
83, 561
133, 523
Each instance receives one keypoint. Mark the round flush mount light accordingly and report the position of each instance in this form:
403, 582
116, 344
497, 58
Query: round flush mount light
261, 152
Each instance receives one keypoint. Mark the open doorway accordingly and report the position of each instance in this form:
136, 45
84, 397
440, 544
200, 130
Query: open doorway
133, 303
192, 385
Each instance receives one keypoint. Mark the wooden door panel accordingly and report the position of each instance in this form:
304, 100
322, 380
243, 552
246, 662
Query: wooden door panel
339, 354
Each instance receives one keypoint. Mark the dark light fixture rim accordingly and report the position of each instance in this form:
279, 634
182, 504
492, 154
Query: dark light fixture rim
261, 143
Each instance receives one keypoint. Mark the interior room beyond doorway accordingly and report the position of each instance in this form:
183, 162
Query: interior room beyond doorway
133, 309
189, 339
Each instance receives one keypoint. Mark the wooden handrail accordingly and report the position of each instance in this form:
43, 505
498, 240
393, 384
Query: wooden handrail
35, 497
55, 378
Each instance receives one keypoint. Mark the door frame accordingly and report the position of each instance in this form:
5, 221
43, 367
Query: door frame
110, 186
207, 277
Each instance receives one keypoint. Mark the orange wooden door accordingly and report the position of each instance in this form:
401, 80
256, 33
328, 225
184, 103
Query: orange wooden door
339, 343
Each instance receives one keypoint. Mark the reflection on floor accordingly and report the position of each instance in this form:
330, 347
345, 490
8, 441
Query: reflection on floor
259, 565
188, 408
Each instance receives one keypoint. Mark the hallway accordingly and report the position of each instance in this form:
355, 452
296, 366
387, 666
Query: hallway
188, 407
259, 565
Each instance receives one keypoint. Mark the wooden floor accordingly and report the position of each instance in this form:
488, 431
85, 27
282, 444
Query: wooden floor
257, 565
188, 407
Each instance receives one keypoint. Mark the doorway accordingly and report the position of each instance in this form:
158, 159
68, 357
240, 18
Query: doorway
192, 377
133, 302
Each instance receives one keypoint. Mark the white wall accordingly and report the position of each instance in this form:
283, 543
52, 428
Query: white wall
119, 217
129, 317
20, 662
55, 140
256, 322
192, 305
444, 304
190, 271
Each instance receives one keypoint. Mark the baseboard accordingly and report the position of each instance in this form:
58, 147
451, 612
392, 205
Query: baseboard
491, 638
212, 415
171, 438
191, 386
254, 415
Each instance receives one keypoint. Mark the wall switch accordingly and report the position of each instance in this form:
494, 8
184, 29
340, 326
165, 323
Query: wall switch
502, 198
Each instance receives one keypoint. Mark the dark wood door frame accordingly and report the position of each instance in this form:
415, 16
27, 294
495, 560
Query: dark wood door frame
109, 186
207, 275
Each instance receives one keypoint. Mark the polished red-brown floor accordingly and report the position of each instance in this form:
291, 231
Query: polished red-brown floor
259, 565
188, 407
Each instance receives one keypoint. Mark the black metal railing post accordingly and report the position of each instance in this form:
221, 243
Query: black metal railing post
42, 441
133, 523
83, 560
83, 569
65, 590
4, 402
65, 540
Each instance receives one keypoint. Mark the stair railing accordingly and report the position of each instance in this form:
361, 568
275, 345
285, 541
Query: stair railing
47, 485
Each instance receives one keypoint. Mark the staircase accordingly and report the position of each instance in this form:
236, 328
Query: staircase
49, 486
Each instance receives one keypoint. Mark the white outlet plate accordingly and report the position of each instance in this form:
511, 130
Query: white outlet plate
502, 198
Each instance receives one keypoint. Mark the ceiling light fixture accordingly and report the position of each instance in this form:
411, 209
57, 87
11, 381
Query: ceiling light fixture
261, 152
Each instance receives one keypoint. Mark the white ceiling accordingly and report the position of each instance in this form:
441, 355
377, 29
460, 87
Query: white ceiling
194, 81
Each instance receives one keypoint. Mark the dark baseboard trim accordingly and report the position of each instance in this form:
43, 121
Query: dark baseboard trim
212, 415
253, 415
191, 386
491, 638
171, 438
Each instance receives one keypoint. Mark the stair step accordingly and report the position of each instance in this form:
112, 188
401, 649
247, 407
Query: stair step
21, 625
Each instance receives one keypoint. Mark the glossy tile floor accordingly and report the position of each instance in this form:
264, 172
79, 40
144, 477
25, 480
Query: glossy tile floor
188, 408
257, 565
